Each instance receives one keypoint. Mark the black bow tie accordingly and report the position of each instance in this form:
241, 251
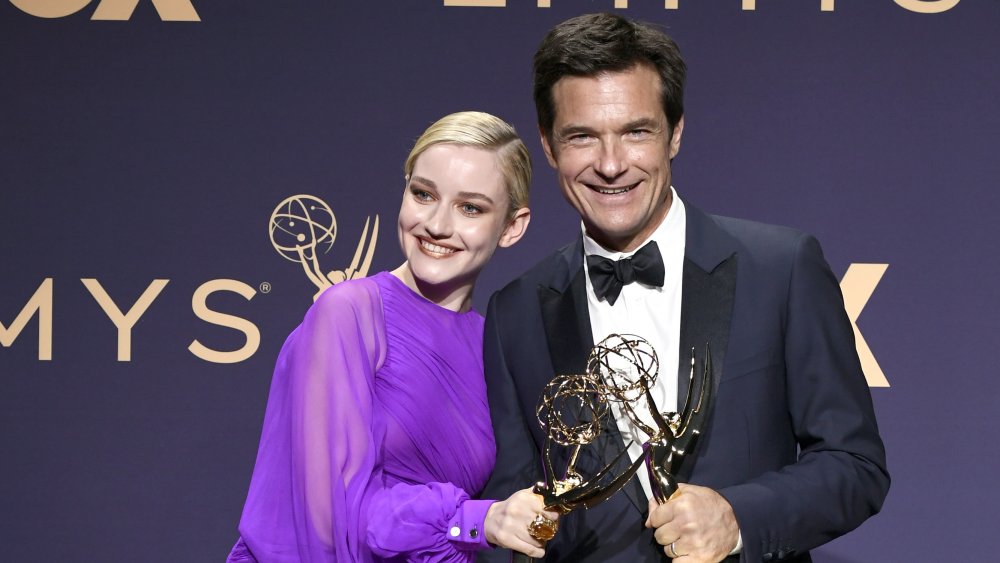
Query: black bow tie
609, 276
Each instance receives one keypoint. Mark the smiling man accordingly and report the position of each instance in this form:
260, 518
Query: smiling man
611, 144
790, 457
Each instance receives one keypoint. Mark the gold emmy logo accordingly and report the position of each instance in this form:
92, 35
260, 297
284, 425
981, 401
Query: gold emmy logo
303, 223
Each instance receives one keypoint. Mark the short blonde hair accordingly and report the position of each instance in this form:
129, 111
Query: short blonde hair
482, 130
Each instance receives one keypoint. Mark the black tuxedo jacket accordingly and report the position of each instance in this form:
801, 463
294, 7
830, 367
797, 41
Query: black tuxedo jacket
792, 441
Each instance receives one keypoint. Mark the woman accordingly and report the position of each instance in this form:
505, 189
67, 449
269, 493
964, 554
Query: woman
377, 433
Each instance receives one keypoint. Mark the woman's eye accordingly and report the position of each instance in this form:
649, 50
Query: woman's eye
420, 195
470, 209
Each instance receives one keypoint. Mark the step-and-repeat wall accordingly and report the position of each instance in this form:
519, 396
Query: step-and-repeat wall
179, 178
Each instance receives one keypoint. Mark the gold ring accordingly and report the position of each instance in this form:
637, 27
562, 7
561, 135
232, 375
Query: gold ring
543, 529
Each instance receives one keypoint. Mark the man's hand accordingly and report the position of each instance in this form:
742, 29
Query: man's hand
696, 525
507, 522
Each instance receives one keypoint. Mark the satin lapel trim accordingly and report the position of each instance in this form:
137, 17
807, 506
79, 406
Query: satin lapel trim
567, 325
706, 314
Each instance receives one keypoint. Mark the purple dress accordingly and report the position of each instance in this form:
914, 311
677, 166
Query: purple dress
377, 433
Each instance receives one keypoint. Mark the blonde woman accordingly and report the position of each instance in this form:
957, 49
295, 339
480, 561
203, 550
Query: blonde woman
377, 436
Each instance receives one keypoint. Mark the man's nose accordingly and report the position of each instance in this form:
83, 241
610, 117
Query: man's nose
611, 161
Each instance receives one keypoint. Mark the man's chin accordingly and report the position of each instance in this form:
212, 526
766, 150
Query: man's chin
614, 237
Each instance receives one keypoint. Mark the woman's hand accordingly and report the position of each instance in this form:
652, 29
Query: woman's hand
507, 522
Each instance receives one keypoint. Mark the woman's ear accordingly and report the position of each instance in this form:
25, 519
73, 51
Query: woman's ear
516, 227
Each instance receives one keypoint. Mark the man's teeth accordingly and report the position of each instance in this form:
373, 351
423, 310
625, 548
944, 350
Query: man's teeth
435, 248
614, 191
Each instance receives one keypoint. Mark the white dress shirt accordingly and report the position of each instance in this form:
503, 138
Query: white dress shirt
654, 313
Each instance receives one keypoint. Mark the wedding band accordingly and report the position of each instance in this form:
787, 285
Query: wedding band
543, 529
673, 552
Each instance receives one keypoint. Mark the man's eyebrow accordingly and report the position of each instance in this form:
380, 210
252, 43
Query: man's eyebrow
572, 129
642, 123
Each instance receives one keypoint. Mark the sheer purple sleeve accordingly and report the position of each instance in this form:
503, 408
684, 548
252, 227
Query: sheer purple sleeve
317, 492
318, 452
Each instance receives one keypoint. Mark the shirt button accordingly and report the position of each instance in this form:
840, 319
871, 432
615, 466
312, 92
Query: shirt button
473, 533
455, 531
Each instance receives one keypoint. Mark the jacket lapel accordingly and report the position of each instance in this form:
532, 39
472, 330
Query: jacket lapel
570, 339
567, 325
708, 292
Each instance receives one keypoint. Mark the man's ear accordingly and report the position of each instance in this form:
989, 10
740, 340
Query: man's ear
547, 147
675, 139
516, 228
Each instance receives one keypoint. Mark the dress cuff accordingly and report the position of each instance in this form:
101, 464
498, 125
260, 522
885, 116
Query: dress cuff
466, 529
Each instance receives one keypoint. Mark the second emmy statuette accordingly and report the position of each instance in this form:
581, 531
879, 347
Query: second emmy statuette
573, 410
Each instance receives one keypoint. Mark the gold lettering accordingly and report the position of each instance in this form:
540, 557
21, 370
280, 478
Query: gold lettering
544, 3
124, 322
50, 8
928, 6
200, 307
477, 3
40, 302
751, 5
670, 4
169, 10
858, 285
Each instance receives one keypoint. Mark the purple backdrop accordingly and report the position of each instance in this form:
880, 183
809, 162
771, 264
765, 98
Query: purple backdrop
142, 149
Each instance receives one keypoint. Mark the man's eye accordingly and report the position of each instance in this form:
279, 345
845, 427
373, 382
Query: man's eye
577, 138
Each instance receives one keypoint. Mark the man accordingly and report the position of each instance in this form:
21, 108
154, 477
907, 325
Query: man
790, 457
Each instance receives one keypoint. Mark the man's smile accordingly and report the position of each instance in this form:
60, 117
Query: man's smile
612, 190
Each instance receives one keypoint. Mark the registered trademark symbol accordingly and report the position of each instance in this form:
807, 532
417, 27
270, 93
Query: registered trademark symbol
265, 287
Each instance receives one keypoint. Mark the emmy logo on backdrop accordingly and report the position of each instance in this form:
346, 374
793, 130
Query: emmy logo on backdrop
302, 224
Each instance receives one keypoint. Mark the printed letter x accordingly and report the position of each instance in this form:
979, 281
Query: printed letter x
858, 285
